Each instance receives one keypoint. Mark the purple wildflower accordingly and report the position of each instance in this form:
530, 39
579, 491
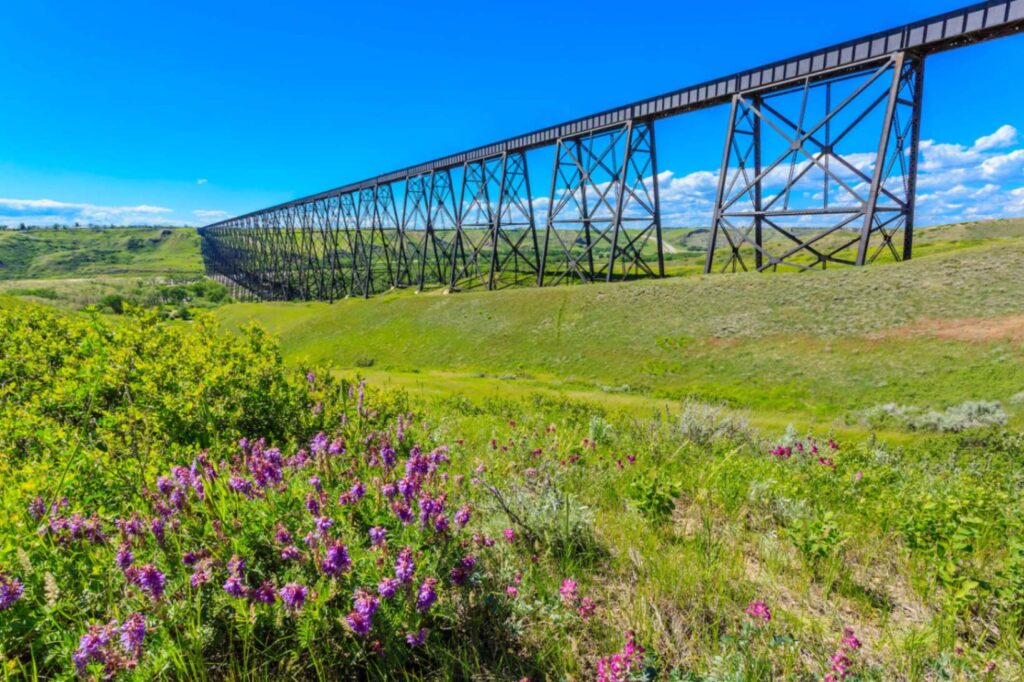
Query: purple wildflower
177, 499
336, 560
404, 565
241, 485
233, 586
293, 595
415, 639
426, 596
586, 608
93, 646
133, 631
841, 661
201, 575
124, 556
11, 590
365, 603
510, 535
323, 523
849, 639
463, 569
100, 645
37, 508
617, 667
319, 442
388, 587
403, 512
359, 622
377, 536
264, 594
283, 535
157, 527
236, 565
130, 527
165, 485
149, 579
462, 516
290, 552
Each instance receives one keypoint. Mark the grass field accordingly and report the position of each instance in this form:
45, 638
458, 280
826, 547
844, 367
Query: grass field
809, 348
752, 476
91, 252
75, 268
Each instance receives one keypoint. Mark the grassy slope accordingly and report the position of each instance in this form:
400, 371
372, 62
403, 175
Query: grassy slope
76, 253
812, 348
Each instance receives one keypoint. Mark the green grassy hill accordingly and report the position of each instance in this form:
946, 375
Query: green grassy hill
887, 535
820, 347
90, 252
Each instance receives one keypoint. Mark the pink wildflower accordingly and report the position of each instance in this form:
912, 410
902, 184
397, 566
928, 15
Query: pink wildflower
758, 610
568, 591
617, 667
586, 608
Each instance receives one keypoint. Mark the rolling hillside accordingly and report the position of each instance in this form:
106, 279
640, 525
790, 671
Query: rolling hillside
88, 252
934, 332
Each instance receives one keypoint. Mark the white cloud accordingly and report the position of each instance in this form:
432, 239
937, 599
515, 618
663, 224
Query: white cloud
1004, 166
202, 181
210, 216
49, 212
1006, 136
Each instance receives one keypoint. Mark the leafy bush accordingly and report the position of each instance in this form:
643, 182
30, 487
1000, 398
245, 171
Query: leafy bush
817, 537
113, 302
653, 497
947, 529
703, 424
549, 515
167, 544
973, 414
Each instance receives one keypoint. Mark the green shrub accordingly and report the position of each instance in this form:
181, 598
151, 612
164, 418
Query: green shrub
653, 497
113, 302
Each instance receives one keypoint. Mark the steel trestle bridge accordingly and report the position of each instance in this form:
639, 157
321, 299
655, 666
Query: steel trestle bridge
794, 188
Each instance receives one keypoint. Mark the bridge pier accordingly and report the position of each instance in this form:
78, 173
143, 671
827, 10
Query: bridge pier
604, 208
820, 199
495, 241
429, 212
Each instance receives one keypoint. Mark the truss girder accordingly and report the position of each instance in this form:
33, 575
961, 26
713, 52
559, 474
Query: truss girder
603, 219
792, 192
475, 226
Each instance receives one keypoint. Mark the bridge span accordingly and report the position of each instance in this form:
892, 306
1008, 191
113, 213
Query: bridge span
795, 189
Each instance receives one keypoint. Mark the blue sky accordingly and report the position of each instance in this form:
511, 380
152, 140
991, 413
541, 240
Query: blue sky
181, 112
